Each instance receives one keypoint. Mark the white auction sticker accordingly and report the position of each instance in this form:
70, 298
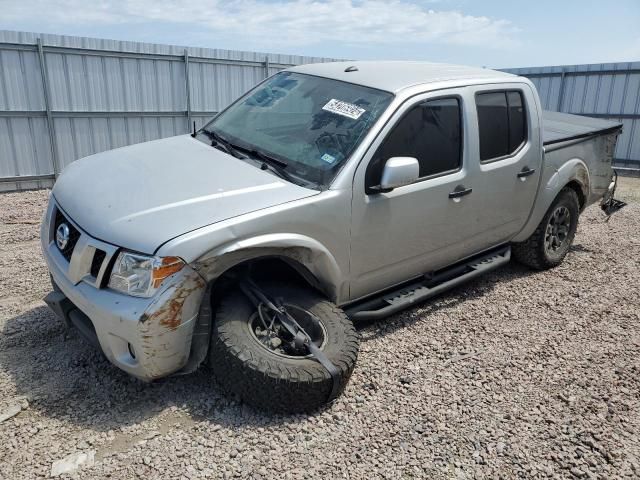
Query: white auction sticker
343, 108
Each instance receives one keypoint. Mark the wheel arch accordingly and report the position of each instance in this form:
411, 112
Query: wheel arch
579, 188
311, 260
573, 174
301, 257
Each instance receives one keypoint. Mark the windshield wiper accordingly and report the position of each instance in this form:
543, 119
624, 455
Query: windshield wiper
218, 140
276, 162
277, 166
267, 161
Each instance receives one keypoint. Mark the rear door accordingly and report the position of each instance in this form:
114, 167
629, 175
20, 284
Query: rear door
509, 160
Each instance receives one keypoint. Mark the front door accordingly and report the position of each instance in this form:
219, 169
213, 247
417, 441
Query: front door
431, 223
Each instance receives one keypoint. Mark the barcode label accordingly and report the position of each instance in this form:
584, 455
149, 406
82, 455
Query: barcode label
343, 108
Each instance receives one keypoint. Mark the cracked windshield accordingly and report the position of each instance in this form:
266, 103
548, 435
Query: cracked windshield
305, 125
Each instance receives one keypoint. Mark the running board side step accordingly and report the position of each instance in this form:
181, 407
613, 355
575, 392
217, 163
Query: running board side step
429, 286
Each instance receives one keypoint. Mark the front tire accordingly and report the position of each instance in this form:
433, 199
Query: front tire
551, 241
266, 379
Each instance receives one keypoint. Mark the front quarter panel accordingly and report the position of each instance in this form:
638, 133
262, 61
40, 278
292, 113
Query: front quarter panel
312, 232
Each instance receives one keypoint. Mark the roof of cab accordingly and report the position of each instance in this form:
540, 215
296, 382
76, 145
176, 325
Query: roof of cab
394, 76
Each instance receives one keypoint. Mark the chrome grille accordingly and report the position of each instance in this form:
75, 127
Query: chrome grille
84, 258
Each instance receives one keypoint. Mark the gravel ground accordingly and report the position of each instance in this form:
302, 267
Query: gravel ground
518, 374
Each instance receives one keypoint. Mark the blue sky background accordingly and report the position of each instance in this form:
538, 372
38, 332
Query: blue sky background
484, 33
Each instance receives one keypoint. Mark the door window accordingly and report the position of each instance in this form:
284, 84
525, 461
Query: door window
501, 123
517, 121
430, 132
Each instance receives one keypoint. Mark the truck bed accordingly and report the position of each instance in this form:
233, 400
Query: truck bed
592, 141
563, 127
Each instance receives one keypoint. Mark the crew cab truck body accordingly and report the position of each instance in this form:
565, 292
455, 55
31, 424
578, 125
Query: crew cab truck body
358, 187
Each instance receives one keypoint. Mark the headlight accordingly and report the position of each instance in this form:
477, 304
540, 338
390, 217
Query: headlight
141, 275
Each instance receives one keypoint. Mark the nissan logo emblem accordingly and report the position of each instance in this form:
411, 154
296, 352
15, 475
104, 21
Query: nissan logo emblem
62, 236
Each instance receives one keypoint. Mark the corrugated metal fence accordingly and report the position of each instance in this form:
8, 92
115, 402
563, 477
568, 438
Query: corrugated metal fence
604, 90
62, 98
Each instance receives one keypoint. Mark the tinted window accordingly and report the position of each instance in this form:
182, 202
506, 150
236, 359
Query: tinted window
430, 132
517, 121
493, 124
501, 123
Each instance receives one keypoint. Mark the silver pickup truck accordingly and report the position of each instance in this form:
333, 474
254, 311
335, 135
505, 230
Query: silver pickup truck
328, 194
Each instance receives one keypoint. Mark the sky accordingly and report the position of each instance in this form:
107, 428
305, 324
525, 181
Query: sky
489, 33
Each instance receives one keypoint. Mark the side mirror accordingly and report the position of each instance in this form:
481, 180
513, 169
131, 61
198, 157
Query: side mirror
399, 171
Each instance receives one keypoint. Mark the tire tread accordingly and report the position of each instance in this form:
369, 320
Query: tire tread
264, 380
531, 252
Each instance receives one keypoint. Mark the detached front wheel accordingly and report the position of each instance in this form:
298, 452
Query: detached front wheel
253, 356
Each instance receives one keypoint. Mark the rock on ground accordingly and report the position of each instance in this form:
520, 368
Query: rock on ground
9, 412
72, 462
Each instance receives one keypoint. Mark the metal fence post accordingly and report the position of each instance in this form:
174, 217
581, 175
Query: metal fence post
266, 67
47, 106
187, 88
561, 91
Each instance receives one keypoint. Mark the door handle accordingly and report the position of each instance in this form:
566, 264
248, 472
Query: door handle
525, 172
460, 191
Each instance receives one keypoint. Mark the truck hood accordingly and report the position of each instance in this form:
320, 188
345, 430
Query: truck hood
140, 196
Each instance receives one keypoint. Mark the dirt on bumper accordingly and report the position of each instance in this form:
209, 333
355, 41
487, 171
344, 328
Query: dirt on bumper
166, 326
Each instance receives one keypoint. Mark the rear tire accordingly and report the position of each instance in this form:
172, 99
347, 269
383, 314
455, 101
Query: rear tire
270, 381
551, 241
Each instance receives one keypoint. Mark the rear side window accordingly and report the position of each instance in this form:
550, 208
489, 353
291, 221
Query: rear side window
430, 132
501, 123
517, 121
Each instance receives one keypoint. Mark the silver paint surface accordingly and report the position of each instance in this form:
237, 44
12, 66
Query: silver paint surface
143, 195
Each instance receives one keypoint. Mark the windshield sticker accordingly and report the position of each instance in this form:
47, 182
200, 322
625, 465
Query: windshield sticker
328, 158
343, 108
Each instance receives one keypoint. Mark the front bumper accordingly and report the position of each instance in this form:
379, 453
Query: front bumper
148, 338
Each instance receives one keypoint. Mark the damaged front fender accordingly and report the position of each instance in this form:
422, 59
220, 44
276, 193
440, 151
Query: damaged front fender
166, 326
313, 260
